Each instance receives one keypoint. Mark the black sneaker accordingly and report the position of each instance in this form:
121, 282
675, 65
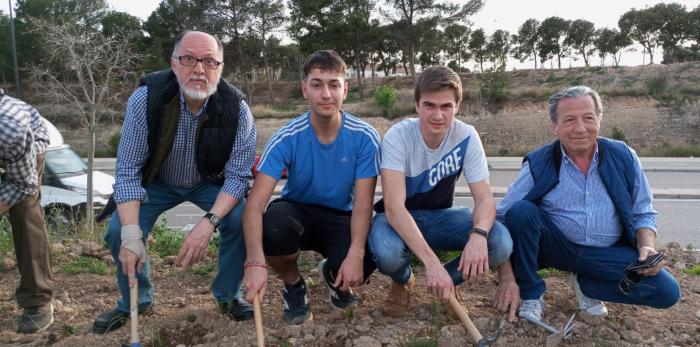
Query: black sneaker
114, 319
339, 299
296, 303
36, 319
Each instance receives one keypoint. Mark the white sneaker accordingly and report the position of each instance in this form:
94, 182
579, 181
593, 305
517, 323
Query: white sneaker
593, 307
532, 308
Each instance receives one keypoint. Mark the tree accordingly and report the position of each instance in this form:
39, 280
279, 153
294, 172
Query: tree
409, 12
499, 47
477, 46
456, 39
643, 27
267, 16
84, 69
121, 23
527, 41
552, 32
611, 41
6, 68
580, 37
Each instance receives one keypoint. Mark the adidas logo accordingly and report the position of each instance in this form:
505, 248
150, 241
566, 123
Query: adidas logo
344, 160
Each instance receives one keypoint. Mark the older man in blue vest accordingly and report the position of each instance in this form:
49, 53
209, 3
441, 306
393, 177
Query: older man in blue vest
188, 136
582, 204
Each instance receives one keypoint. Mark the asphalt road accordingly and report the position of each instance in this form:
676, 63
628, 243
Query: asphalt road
678, 220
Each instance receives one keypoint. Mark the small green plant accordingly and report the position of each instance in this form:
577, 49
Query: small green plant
204, 269
71, 329
657, 86
6, 245
385, 97
618, 134
549, 272
284, 343
191, 317
690, 247
312, 282
348, 313
438, 316
85, 264
414, 341
695, 270
168, 241
495, 85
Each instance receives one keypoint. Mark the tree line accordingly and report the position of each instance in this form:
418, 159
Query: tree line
383, 36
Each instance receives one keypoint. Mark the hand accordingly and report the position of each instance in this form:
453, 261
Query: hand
644, 252
132, 251
350, 273
195, 245
439, 282
255, 282
508, 298
474, 261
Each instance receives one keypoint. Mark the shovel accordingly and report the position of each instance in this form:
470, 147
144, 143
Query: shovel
463, 315
557, 335
257, 314
134, 312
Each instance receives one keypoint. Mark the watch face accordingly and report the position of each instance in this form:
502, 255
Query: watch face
214, 219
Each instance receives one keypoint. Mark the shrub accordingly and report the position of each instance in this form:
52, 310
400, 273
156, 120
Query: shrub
85, 264
495, 85
168, 241
385, 97
618, 134
657, 86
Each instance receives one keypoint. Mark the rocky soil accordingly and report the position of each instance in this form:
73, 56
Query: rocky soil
186, 314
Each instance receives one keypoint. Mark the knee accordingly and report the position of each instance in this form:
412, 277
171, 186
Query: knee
668, 291
500, 245
520, 215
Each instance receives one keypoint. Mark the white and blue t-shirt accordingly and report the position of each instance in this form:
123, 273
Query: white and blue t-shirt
322, 174
431, 174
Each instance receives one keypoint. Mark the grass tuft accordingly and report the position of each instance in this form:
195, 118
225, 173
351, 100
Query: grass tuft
694, 271
85, 264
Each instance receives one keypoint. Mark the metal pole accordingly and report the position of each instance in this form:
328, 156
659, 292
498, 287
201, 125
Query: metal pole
18, 87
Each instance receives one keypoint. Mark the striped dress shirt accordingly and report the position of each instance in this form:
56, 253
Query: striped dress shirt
580, 206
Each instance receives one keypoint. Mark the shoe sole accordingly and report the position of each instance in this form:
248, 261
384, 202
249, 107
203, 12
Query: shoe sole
42, 329
299, 322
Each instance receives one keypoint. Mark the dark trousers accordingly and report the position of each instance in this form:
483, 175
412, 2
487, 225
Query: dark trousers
32, 248
290, 227
538, 243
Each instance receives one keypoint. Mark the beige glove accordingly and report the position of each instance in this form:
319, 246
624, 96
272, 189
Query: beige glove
131, 240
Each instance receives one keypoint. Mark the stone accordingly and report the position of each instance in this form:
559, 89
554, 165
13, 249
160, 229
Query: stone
697, 314
292, 341
107, 259
308, 327
363, 328
366, 341
169, 260
320, 331
608, 334
673, 245
7, 264
631, 323
291, 331
679, 265
92, 249
63, 296
210, 336
57, 248
481, 324
632, 336
308, 338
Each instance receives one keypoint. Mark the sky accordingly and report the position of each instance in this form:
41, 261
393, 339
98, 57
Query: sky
497, 14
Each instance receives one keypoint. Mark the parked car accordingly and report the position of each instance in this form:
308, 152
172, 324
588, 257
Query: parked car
254, 169
64, 185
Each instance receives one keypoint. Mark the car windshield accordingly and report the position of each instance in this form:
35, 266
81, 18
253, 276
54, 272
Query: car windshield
64, 161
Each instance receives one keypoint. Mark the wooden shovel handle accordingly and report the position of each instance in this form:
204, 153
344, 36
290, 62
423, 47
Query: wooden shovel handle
134, 312
464, 317
257, 314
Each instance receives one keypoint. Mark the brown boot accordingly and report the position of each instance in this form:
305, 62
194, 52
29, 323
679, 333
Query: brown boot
399, 299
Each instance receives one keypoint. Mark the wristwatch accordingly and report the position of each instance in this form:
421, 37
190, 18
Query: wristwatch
213, 219
481, 232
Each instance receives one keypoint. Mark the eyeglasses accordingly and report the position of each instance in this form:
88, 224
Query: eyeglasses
628, 282
190, 61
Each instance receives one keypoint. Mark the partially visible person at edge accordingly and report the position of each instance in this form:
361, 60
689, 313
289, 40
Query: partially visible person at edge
23, 141
188, 136
332, 159
582, 204
422, 158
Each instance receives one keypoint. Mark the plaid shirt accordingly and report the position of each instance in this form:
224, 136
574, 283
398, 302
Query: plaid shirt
179, 169
23, 135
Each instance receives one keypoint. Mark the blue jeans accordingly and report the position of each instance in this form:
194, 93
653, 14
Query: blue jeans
227, 283
538, 243
443, 230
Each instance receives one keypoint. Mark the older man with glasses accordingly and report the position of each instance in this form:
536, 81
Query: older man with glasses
582, 204
188, 135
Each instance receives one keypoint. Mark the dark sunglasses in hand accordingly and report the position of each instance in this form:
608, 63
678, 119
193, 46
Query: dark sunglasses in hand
632, 278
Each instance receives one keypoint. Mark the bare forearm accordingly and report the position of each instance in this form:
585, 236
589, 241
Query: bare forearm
505, 272
484, 214
223, 205
252, 233
129, 212
359, 229
646, 237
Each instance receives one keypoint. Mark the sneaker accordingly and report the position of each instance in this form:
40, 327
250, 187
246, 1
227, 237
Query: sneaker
36, 319
532, 308
339, 299
296, 303
590, 306
398, 300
